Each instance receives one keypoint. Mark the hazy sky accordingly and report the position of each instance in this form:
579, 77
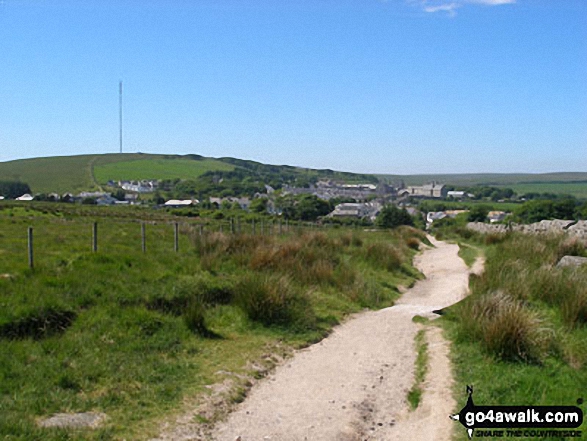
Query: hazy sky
380, 86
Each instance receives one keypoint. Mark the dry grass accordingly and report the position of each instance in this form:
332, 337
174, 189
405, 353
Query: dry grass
507, 327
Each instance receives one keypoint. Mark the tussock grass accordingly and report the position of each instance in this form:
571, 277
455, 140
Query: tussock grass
520, 337
273, 300
384, 256
520, 280
506, 327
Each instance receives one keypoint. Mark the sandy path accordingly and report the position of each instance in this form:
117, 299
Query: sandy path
353, 385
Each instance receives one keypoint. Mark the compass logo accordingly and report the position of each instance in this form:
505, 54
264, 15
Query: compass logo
474, 417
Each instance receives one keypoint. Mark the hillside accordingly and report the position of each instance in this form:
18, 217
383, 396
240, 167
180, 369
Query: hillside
89, 172
62, 174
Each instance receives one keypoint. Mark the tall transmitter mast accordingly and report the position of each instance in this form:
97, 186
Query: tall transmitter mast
120, 112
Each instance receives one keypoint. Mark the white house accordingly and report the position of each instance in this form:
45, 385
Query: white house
177, 203
25, 197
496, 216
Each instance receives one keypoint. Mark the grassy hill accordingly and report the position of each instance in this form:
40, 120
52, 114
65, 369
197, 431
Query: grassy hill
157, 168
85, 172
89, 172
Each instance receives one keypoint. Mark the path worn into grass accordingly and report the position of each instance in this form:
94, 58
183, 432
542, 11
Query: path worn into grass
353, 385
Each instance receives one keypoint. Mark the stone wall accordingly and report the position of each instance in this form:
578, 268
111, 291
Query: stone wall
557, 226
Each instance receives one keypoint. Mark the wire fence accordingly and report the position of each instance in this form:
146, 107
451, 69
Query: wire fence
50, 237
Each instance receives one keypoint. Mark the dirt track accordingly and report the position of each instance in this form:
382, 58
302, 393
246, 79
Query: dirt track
353, 385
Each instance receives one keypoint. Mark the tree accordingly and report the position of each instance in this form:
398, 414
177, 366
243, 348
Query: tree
13, 189
226, 205
119, 194
478, 213
392, 216
310, 207
259, 205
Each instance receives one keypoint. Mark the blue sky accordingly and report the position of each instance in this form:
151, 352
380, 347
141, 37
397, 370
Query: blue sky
377, 86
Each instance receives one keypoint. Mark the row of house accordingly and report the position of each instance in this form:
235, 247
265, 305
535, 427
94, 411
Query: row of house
101, 198
368, 210
142, 186
327, 189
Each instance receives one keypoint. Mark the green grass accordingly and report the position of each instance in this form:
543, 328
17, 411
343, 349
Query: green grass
157, 169
520, 337
73, 174
57, 174
421, 368
61, 174
577, 189
490, 179
137, 335
469, 253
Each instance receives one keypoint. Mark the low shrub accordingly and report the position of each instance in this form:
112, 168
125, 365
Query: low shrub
273, 300
384, 255
413, 243
506, 326
494, 238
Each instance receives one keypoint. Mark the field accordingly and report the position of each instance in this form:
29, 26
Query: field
89, 172
157, 169
56, 174
62, 174
577, 189
73, 174
137, 335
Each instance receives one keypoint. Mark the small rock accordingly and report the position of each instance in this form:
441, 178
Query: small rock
573, 261
74, 420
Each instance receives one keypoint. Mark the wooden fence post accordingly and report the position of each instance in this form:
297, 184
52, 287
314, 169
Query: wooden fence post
95, 237
176, 238
143, 238
30, 235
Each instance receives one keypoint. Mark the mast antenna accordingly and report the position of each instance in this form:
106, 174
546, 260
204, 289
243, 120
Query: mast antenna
120, 112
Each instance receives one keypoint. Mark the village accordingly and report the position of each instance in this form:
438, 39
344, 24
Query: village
362, 201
